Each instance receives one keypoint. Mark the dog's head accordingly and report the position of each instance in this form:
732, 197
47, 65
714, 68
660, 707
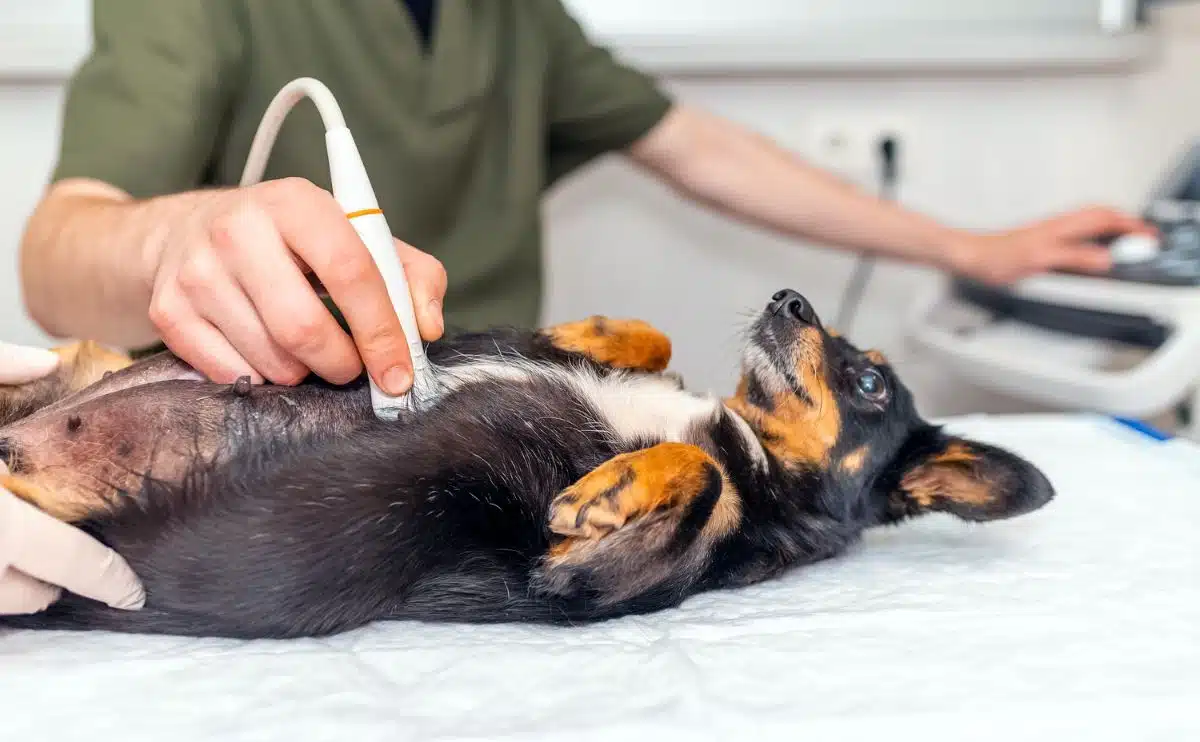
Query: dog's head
823, 408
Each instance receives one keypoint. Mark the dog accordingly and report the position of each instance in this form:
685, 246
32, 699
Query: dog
563, 476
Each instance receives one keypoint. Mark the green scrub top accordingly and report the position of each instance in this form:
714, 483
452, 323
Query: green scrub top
460, 141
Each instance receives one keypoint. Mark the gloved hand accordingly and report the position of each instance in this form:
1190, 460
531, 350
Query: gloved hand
20, 364
41, 556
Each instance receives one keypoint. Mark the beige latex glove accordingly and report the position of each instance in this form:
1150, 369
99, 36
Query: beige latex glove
20, 364
41, 556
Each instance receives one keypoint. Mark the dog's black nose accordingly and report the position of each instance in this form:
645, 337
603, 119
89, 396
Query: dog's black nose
794, 304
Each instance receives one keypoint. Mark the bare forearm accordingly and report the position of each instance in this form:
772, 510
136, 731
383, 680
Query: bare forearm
748, 177
87, 261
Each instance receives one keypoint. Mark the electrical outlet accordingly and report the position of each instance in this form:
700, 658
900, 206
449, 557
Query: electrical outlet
850, 146
840, 148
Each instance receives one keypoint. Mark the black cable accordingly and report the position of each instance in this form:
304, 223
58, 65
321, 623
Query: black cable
852, 296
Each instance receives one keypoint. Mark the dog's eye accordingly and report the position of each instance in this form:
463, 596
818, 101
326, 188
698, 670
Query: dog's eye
870, 384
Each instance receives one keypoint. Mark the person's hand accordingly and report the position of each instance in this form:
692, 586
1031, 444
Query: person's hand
232, 294
40, 556
21, 364
1066, 242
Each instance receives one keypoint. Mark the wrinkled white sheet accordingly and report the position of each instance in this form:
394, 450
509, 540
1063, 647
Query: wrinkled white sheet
1079, 622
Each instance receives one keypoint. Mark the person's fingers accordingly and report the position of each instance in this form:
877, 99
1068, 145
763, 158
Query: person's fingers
251, 245
313, 225
1088, 224
1087, 257
222, 303
427, 281
195, 341
59, 554
20, 364
20, 593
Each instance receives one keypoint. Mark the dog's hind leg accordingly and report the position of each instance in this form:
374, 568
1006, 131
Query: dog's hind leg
637, 521
69, 509
619, 343
80, 365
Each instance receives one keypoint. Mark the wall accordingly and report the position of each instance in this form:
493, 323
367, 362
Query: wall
708, 16
28, 115
982, 150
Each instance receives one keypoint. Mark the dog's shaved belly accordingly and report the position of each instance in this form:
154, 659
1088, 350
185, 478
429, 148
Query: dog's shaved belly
79, 455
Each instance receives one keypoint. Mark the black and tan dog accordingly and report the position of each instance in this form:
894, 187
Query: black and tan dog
562, 477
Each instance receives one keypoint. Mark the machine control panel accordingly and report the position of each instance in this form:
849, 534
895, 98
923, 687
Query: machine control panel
1173, 258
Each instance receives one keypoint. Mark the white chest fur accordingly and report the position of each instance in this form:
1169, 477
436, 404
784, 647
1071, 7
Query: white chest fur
633, 406
646, 406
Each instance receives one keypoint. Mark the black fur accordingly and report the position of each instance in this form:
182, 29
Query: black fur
443, 516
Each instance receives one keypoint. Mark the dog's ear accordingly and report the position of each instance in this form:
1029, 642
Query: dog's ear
968, 479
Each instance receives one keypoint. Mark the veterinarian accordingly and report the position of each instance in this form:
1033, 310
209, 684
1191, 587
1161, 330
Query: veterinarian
466, 114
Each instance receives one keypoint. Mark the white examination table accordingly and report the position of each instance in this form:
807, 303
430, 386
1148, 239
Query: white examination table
1079, 622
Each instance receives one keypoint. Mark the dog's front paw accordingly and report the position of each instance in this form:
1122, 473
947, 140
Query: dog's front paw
620, 343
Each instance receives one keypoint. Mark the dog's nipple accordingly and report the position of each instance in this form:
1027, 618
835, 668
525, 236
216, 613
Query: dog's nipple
241, 387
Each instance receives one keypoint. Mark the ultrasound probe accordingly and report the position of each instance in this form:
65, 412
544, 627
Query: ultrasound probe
353, 192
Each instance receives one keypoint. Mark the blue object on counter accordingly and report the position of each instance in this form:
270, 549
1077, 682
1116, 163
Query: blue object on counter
1145, 429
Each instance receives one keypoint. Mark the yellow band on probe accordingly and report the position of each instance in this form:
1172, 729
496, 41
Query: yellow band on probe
363, 212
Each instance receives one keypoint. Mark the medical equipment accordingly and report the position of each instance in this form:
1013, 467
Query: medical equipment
1117, 16
1124, 343
353, 192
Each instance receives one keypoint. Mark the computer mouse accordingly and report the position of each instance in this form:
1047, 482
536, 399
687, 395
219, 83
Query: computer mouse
1133, 248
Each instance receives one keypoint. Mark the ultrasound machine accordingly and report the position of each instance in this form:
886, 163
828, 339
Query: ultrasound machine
1126, 343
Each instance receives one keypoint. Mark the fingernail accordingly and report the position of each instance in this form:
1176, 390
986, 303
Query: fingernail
134, 601
397, 380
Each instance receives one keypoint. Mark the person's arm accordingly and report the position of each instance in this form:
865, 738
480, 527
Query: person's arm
596, 105
87, 262
122, 250
749, 177
140, 119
